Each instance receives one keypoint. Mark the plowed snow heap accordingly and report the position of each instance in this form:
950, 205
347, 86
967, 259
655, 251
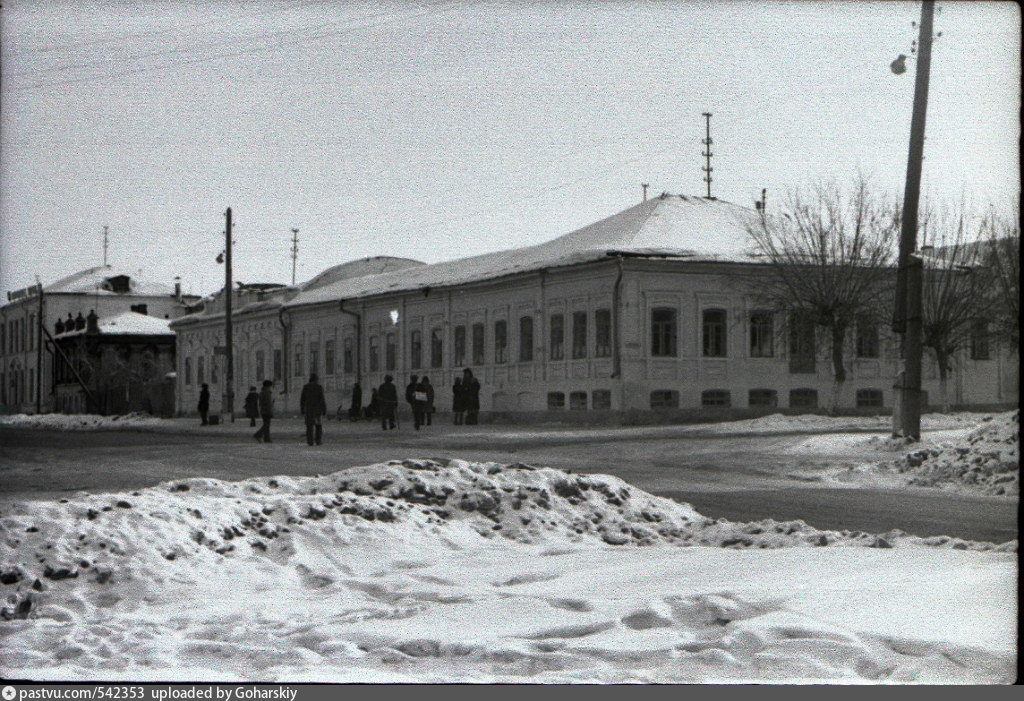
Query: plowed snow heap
987, 460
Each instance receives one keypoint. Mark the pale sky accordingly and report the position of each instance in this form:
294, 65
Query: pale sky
435, 130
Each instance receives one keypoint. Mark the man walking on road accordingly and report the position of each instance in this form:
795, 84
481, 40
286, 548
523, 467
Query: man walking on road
387, 397
252, 406
266, 412
204, 405
313, 406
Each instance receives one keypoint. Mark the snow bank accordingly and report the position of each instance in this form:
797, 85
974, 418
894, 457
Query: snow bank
445, 570
987, 460
781, 423
82, 422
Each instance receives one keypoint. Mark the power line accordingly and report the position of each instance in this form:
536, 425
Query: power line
234, 54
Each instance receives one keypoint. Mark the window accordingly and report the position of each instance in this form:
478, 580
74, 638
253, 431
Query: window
601, 399
478, 344
867, 337
329, 357
802, 351
460, 346
31, 337
31, 383
416, 349
213, 369
390, 352
663, 332
603, 333
436, 348
188, 371
140, 308
869, 399
762, 334
557, 337
314, 358
278, 365
664, 399
200, 370
715, 397
347, 358
298, 360
374, 354
260, 366
803, 399
556, 400
714, 333
579, 335
979, 340
762, 399
577, 401
500, 341
525, 339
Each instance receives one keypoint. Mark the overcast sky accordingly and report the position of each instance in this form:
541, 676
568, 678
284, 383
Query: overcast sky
435, 130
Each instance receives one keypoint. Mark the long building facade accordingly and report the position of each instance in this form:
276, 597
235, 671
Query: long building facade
651, 314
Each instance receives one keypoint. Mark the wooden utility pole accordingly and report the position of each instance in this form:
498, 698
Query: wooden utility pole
229, 371
907, 317
707, 151
295, 252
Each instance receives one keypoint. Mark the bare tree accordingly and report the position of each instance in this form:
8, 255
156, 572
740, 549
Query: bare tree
830, 254
1002, 234
953, 288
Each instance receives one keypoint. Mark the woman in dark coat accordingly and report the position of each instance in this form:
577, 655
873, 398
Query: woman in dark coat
457, 402
471, 392
252, 406
357, 403
204, 405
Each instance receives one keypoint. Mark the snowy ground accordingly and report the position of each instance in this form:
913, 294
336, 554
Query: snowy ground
84, 422
453, 571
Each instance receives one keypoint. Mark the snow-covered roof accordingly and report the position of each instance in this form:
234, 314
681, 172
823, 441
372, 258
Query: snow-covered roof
128, 324
360, 268
97, 281
675, 226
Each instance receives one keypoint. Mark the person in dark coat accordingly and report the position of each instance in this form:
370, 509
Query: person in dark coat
458, 402
387, 398
252, 406
416, 399
471, 394
204, 405
313, 407
372, 410
266, 412
356, 408
428, 389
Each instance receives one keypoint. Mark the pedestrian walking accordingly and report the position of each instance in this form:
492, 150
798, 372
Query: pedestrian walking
266, 412
252, 406
313, 407
458, 402
204, 405
428, 389
387, 399
356, 407
419, 405
372, 410
471, 394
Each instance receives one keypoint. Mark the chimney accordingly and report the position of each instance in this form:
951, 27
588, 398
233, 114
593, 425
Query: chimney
92, 322
177, 288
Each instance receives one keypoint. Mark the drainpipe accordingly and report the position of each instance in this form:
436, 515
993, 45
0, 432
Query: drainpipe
616, 333
284, 351
359, 338
543, 322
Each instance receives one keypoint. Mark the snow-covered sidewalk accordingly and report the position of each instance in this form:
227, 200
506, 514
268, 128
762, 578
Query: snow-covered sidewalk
432, 570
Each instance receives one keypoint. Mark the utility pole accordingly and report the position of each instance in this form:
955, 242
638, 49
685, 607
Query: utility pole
39, 349
228, 346
105, 246
707, 151
907, 317
295, 252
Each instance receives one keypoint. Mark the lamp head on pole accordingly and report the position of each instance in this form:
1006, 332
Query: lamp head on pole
220, 257
899, 66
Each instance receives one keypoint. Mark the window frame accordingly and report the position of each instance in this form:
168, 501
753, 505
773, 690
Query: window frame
714, 333
762, 333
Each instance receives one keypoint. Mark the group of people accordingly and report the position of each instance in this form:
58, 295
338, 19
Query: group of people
419, 393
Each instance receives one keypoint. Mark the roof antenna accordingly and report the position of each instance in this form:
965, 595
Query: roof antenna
707, 153
644, 186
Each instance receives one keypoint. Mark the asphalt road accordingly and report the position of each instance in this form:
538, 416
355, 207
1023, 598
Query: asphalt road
737, 478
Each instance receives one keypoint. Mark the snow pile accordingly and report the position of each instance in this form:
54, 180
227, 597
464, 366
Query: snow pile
986, 460
445, 570
782, 423
82, 422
